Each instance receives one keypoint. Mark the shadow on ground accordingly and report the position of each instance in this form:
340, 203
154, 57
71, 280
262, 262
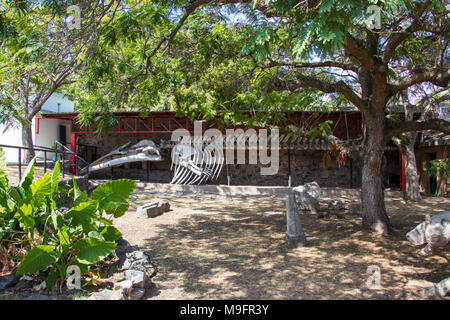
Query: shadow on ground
223, 249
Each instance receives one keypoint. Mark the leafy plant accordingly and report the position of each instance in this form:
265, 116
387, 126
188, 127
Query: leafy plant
58, 237
2, 160
435, 168
323, 129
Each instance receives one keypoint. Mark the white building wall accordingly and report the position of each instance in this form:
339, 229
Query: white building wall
48, 131
58, 103
12, 137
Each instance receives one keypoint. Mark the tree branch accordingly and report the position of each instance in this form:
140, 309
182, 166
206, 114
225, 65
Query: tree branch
436, 76
189, 9
322, 64
394, 128
397, 38
302, 81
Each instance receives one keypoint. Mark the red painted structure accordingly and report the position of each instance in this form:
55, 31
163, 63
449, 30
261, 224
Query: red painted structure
344, 123
402, 171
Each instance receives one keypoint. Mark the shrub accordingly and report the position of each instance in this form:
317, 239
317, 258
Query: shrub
435, 168
56, 237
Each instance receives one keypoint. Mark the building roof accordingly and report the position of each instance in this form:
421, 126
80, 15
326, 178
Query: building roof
434, 139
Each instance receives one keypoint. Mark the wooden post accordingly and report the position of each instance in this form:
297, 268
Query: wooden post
294, 232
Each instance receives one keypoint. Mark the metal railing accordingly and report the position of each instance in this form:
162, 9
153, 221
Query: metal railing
65, 151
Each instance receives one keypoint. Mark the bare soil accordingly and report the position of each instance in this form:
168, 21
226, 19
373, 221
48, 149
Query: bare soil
236, 249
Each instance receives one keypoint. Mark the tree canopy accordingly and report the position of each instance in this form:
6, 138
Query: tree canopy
200, 57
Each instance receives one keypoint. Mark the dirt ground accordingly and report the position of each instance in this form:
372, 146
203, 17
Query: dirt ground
235, 249
13, 173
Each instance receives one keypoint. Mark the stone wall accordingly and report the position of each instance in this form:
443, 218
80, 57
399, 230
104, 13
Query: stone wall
306, 165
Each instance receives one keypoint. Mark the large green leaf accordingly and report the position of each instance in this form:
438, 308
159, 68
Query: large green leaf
110, 233
93, 250
78, 195
40, 189
23, 214
83, 215
3, 180
27, 178
64, 239
52, 278
120, 210
37, 259
113, 194
2, 160
55, 176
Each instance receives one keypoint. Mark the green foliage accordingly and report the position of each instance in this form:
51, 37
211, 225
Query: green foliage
213, 65
2, 160
57, 237
435, 168
39, 52
38, 258
323, 129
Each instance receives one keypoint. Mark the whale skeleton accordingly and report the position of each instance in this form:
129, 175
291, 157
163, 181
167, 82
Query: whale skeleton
197, 162
144, 150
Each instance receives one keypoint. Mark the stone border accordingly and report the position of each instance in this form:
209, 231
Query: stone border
241, 191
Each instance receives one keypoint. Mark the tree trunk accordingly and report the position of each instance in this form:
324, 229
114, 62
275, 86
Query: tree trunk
27, 141
372, 191
412, 192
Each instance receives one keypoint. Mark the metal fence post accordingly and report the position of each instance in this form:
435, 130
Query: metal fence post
63, 165
45, 162
20, 163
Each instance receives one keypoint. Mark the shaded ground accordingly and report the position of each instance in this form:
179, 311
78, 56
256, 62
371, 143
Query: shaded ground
233, 249
13, 173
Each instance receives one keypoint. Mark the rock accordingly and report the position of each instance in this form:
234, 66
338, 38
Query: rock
153, 209
148, 283
25, 282
336, 205
354, 208
442, 288
307, 196
40, 287
107, 295
138, 260
38, 297
124, 285
124, 246
294, 233
421, 287
122, 249
434, 232
9, 280
136, 277
136, 293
